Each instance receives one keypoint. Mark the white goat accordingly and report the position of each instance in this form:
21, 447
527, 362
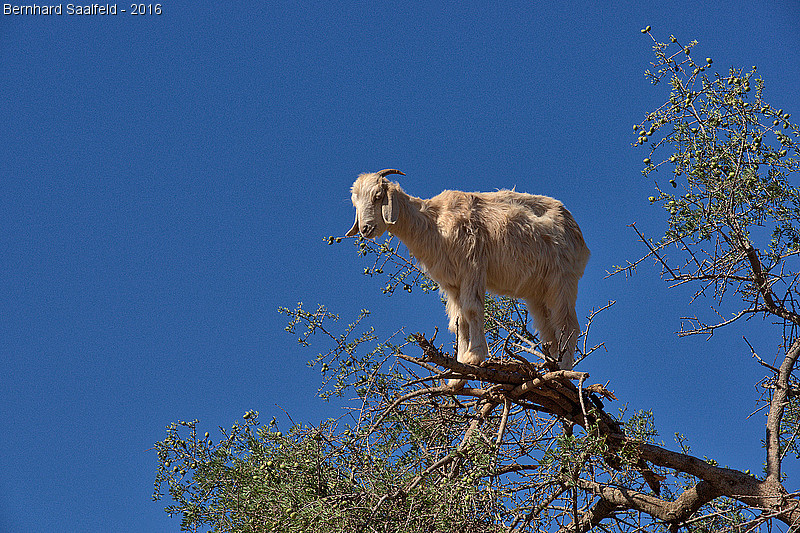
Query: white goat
515, 244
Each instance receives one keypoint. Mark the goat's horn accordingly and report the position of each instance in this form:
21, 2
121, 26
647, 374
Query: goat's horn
385, 172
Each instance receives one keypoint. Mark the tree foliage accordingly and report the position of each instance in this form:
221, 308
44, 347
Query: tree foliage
733, 215
528, 447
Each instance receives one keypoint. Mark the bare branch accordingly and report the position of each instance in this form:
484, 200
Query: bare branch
761, 361
776, 409
764, 287
671, 512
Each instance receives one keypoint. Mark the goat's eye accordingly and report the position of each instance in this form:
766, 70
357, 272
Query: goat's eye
378, 196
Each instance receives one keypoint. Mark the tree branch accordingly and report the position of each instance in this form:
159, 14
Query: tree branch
763, 285
592, 517
673, 512
776, 409
554, 393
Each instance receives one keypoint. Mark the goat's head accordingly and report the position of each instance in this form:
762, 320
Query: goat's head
373, 199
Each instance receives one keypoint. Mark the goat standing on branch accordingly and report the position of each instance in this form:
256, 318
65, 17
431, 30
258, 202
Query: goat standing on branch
514, 244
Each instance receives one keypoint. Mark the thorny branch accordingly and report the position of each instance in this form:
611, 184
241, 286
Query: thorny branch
541, 388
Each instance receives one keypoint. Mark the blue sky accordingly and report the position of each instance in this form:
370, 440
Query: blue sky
167, 182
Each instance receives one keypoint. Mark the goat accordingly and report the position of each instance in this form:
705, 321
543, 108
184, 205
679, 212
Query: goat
511, 243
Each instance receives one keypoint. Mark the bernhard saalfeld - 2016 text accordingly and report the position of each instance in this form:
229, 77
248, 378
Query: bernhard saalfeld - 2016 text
60, 9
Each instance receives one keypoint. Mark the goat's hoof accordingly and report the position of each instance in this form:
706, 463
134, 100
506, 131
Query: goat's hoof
456, 384
566, 362
472, 358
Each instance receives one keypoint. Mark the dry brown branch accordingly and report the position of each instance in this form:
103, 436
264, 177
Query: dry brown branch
764, 286
777, 405
522, 521
592, 517
672, 512
554, 392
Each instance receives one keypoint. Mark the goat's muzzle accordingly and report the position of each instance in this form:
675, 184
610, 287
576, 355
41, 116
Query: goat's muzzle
368, 231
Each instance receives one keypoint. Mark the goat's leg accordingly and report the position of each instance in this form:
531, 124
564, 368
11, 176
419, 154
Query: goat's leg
564, 322
458, 327
462, 342
462, 337
541, 319
477, 349
568, 338
472, 347
467, 322
472, 299
462, 324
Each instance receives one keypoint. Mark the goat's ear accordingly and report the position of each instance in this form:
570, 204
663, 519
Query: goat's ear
354, 229
389, 208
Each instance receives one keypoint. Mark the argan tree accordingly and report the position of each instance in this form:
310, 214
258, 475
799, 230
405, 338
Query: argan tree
525, 446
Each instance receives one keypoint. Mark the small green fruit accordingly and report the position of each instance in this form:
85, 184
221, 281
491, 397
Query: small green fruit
708, 60
672, 182
646, 161
652, 199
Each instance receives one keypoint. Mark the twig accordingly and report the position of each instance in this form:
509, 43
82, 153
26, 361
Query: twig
763, 363
421, 392
580, 398
652, 250
503, 421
